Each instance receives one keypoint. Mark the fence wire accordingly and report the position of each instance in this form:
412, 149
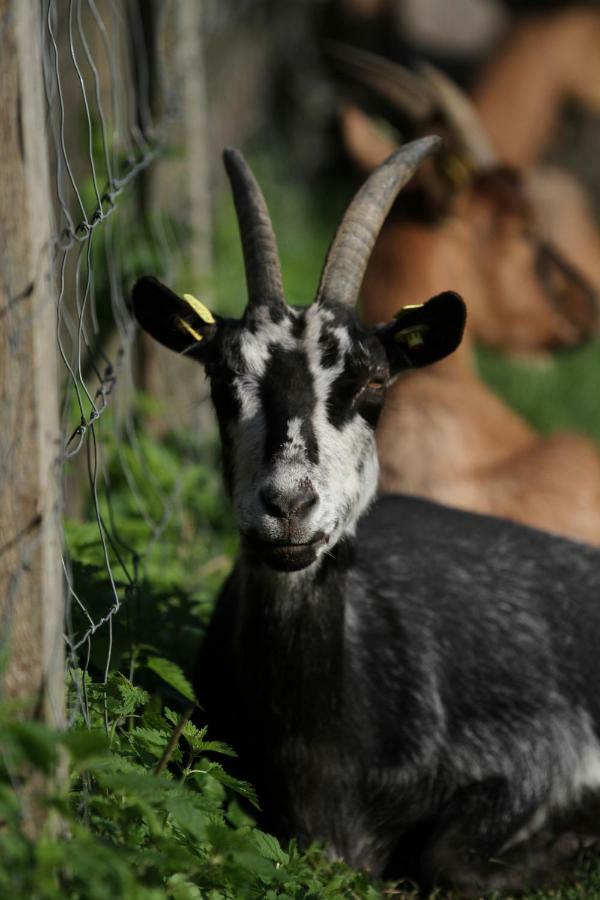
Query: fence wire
115, 91
101, 82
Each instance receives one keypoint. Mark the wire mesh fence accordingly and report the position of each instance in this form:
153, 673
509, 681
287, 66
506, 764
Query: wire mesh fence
97, 61
114, 83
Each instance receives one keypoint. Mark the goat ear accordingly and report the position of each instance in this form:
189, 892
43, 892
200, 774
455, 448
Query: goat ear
421, 335
367, 142
182, 324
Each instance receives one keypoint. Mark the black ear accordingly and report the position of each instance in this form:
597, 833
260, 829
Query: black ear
182, 324
421, 335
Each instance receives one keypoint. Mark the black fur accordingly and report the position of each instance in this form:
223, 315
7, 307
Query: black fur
287, 391
421, 685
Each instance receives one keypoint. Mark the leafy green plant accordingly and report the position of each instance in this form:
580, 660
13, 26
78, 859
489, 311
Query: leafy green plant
129, 828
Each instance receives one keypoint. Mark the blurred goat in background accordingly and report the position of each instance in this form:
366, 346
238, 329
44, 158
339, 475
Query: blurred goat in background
470, 226
545, 63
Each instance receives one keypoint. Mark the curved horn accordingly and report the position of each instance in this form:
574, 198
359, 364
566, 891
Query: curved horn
406, 91
462, 117
418, 95
351, 247
261, 259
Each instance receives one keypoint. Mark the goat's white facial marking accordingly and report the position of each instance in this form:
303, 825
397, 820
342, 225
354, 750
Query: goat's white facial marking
297, 401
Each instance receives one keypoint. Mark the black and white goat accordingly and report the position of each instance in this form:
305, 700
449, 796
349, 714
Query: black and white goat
401, 680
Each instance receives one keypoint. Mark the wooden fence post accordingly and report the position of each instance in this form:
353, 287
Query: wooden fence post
31, 583
180, 188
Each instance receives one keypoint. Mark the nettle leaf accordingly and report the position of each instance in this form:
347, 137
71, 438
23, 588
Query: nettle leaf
181, 889
216, 771
151, 740
218, 747
238, 848
269, 847
171, 716
195, 738
172, 675
132, 696
188, 816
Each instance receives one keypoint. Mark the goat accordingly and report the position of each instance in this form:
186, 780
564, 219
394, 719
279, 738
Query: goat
522, 297
545, 61
398, 677
557, 58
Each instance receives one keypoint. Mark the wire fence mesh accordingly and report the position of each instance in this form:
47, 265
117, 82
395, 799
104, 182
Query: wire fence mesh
101, 89
97, 74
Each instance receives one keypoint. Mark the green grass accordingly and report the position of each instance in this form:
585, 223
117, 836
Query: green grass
561, 393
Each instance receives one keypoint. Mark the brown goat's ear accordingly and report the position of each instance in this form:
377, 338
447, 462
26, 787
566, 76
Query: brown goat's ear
367, 142
182, 324
421, 335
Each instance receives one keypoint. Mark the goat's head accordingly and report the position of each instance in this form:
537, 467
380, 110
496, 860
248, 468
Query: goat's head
532, 299
297, 391
563, 49
525, 295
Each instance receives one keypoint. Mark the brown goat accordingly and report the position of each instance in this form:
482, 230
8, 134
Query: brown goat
443, 433
520, 95
544, 62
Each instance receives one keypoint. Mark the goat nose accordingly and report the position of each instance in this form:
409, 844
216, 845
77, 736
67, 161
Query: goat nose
285, 504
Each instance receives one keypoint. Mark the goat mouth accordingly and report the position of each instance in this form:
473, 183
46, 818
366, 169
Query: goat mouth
287, 556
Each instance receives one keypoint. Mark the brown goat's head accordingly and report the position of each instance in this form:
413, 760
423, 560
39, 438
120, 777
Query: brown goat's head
532, 299
563, 49
523, 296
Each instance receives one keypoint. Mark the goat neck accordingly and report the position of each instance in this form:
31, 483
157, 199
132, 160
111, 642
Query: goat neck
521, 93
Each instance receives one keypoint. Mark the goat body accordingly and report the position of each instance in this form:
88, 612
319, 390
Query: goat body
435, 677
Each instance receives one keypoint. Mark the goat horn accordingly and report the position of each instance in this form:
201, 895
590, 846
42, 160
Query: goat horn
351, 247
261, 258
405, 90
462, 117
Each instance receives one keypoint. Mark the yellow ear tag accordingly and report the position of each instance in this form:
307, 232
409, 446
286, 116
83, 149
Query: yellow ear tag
458, 171
200, 309
413, 337
196, 335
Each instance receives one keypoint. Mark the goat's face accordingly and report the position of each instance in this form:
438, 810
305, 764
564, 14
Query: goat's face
534, 299
298, 392
297, 400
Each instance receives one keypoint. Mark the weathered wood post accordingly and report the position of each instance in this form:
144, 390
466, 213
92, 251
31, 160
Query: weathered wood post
31, 584
179, 186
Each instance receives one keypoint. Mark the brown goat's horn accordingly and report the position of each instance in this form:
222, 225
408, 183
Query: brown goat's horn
349, 253
261, 258
418, 95
404, 89
462, 117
